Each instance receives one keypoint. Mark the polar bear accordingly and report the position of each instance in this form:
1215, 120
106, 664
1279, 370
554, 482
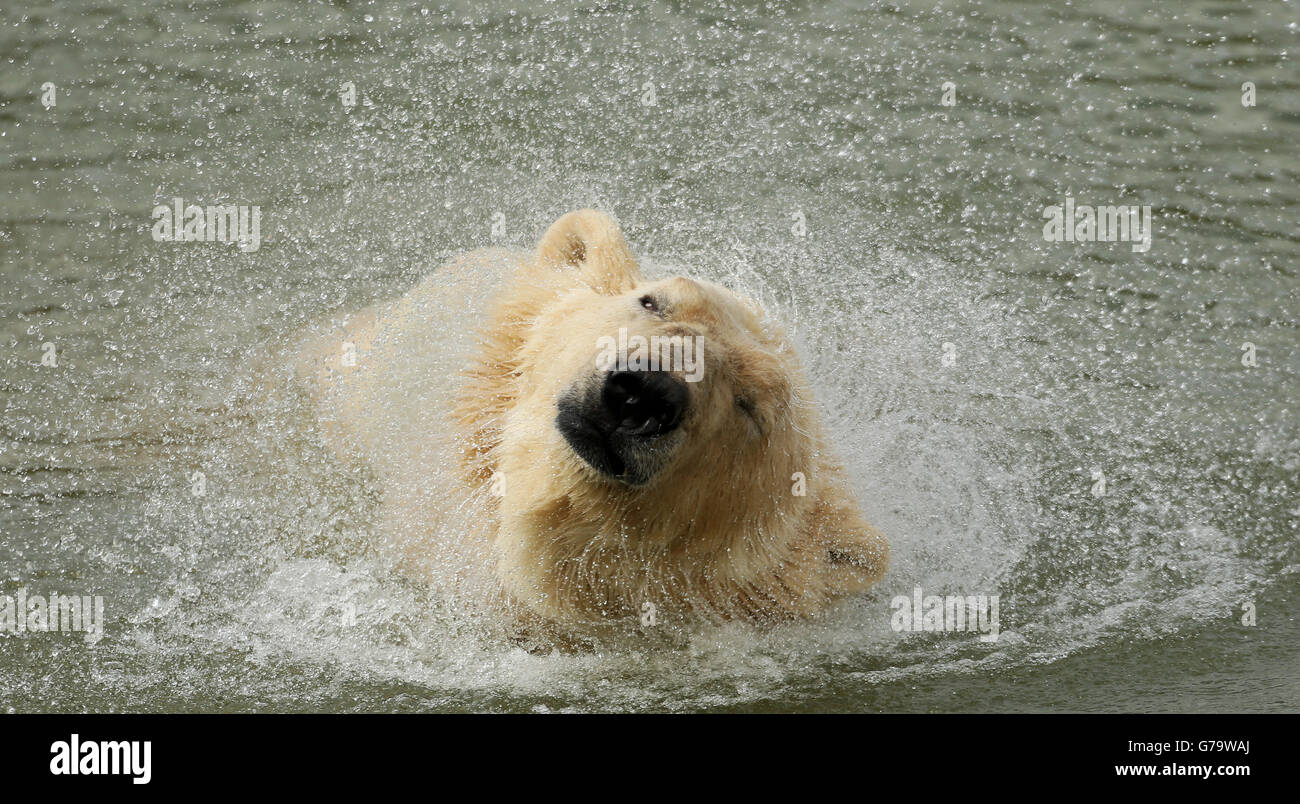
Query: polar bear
516, 441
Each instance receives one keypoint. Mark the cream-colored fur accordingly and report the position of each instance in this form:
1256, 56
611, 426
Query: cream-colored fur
458, 424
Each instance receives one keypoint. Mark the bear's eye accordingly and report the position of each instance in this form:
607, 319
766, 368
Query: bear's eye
751, 414
649, 303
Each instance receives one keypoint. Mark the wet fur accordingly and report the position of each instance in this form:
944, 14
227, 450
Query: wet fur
719, 531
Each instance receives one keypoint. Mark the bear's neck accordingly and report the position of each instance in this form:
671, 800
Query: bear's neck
707, 559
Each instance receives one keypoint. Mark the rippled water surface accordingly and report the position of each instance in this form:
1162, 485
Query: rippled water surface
480, 124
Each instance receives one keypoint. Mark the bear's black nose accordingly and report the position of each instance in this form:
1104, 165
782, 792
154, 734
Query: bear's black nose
644, 403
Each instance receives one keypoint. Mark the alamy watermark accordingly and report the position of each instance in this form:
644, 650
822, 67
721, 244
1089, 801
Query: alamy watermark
77, 757
215, 223
922, 612
1086, 224
23, 613
684, 353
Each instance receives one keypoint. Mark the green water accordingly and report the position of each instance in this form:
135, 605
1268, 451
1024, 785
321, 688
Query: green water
480, 125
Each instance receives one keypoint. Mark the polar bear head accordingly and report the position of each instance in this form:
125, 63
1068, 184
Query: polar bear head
629, 422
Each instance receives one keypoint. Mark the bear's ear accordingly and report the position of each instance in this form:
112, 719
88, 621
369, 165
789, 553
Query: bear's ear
591, 242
